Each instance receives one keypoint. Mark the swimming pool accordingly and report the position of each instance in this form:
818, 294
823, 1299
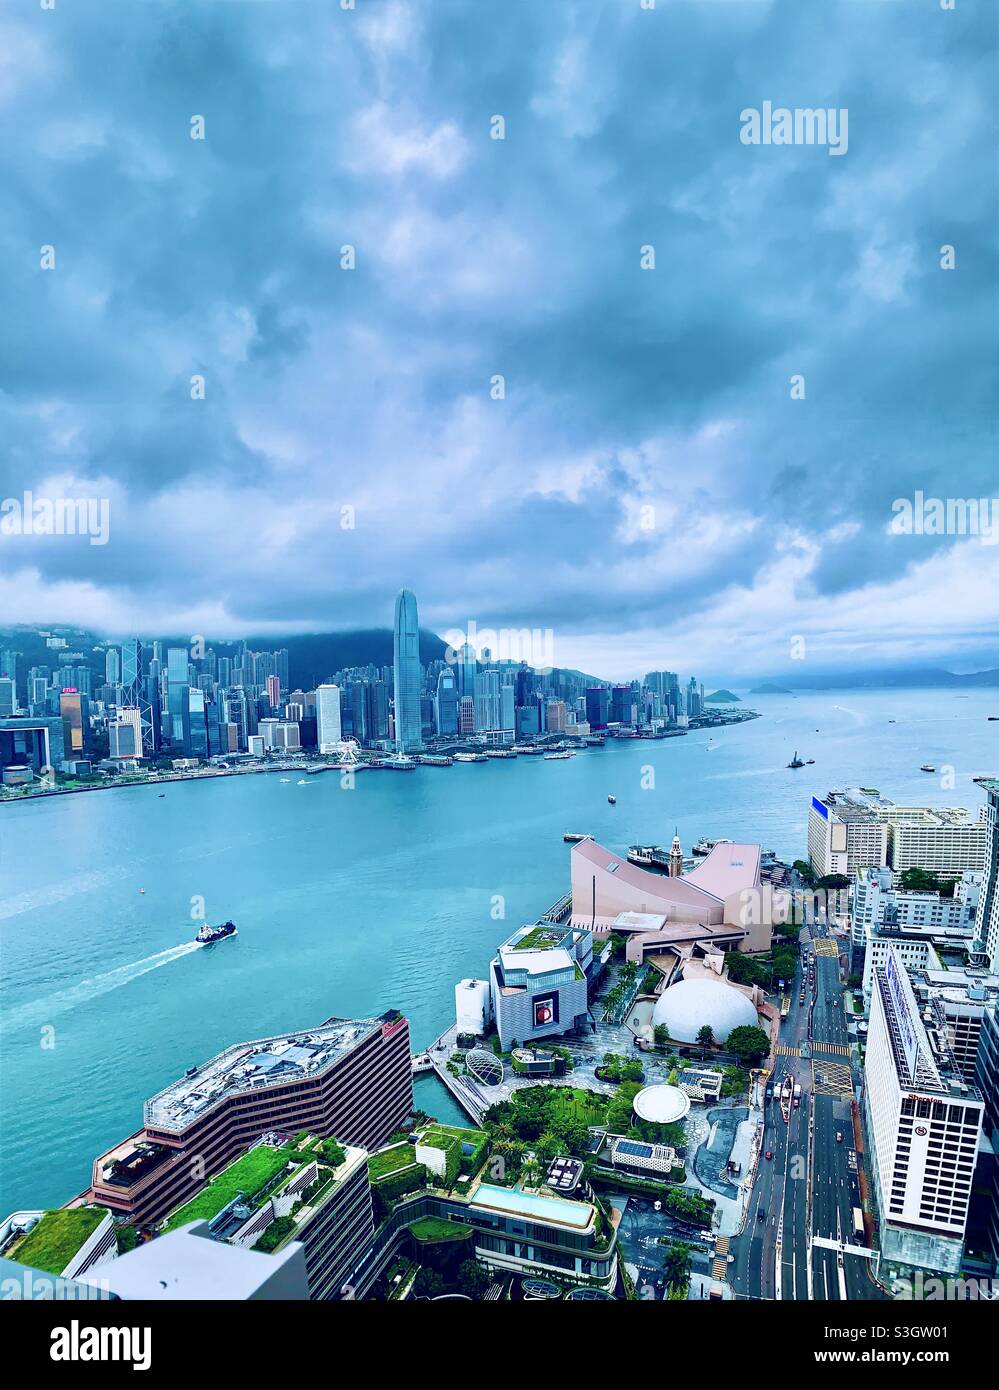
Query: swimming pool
529, 1205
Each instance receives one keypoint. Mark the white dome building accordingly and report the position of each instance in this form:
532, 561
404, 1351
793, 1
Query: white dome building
686, 1007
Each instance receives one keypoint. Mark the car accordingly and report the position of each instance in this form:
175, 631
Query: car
761, 1215
770, 1153
839, 1136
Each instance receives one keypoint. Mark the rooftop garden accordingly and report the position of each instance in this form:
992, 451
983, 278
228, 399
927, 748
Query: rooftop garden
539, 939
53, 1242
391, 1160
248, 1176
430, 1230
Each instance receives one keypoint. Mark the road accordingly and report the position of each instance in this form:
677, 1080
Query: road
809, 1187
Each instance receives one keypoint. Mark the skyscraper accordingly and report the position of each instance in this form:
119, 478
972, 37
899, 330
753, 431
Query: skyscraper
328, 728
178, 699
406, 673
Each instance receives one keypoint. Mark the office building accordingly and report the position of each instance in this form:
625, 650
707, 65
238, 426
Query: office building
8, 696
30, 741
71, 712
597, 707
446, 704
178, 700
406, 673
348, 1079
923, 1123
877, 901
328, 717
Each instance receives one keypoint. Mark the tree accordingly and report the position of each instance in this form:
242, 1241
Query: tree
748, 1043
676, 1266
661, 1035
473, 1279
705, 1036
428, 1283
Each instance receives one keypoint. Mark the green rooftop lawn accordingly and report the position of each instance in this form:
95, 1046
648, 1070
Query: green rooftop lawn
540, 939
247, 1175
390, 1161
431, 1230
57, 1238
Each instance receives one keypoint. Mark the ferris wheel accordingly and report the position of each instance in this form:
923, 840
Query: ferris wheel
348, 751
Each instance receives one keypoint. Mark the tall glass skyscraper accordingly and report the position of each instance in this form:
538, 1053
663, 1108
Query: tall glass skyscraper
406, 670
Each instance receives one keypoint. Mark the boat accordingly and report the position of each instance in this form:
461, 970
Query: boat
993, 718
612, 800
500, 753
649, 857
207, 936
470, 758
927, 767
705, 846
796, 761
551, 757
571, 838
303, 782
160, 796
285, 779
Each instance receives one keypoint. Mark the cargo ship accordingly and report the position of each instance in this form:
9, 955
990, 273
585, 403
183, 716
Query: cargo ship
207, 936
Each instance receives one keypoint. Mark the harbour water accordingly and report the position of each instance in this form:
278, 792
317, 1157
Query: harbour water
351, 902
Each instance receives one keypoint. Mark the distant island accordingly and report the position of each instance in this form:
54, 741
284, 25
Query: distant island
722, 697
769, 689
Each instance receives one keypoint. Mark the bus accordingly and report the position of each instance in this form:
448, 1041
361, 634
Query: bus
858, 1223
785, 1006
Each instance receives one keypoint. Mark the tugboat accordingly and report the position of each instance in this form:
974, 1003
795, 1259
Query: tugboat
796, 761
612, 800
207, 936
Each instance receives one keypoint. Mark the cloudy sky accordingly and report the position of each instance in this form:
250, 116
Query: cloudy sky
649, 487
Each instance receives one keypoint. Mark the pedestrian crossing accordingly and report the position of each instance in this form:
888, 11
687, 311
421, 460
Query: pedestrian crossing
841, 1049
786, 1050
719, 1269
831, 1079
722, 1245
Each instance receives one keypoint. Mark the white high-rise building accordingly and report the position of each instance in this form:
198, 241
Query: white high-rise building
858, 829
328, 727
988, 932
923, 1123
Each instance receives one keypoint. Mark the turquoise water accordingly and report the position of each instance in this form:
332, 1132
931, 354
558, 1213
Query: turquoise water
351, 902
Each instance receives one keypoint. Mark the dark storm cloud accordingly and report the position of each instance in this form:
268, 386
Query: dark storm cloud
628, 392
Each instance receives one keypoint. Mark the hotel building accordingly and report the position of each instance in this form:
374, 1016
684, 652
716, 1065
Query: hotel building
305, 1189
989, 915
923, 1123
349, 1079
859, 828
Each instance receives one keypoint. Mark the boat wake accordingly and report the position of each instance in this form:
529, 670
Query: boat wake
41, 1011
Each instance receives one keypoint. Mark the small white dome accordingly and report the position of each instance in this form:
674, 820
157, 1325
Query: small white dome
685, 1009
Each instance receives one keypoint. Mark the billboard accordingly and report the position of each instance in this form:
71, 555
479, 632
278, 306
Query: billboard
818, 806
545, 1010
905, 1007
